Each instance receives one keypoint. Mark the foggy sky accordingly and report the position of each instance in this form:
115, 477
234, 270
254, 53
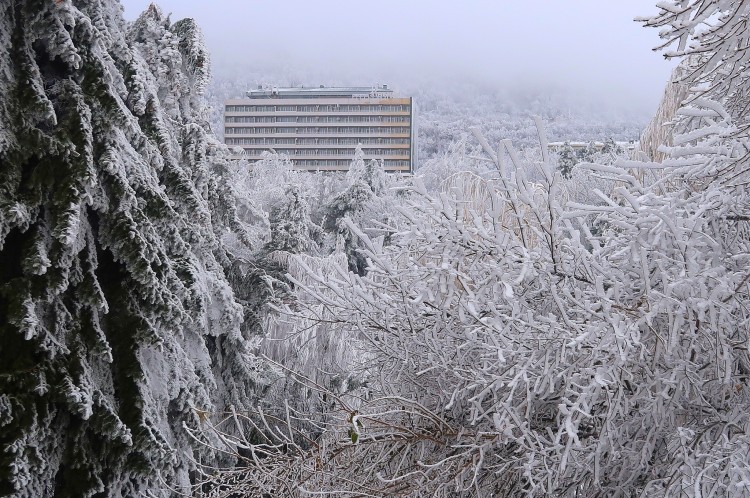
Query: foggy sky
590, 46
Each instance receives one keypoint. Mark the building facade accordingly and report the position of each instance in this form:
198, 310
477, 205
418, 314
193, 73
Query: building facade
320, 128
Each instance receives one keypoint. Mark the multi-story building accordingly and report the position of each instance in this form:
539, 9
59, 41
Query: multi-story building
320, 128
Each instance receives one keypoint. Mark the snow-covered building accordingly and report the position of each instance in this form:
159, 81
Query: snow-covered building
320, 128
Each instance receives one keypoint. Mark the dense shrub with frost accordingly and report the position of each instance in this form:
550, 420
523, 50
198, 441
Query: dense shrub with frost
502, 349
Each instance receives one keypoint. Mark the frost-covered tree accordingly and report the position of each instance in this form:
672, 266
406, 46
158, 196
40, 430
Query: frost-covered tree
367, 199
515, 353
434, 171
659, 130
292, 230
587, 154
402, 432
566, 160
609, 152
117, 324
503, 363
372, 173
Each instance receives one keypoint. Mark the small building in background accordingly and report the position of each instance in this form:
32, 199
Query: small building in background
320, 128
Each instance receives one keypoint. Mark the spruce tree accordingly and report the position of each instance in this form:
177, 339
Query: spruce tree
566, 160
292, 230
117, 325
587, 154
370, 172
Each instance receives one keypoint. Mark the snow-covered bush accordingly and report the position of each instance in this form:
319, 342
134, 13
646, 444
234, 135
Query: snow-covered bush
528, 356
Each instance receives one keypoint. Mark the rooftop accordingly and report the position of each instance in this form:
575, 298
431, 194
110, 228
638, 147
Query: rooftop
321, 91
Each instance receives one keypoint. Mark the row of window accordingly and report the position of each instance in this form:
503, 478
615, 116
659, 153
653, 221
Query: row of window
317, 119
317, 141
319, 108
319, 130
331, 152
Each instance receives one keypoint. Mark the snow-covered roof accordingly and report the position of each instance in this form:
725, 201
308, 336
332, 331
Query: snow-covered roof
321, 91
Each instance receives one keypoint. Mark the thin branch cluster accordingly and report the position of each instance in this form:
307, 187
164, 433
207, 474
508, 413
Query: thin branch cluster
513, 340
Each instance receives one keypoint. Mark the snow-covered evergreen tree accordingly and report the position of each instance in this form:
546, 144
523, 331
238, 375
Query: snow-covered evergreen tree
117, 324
566, 160
292, 230
372, 173
587, 154
611, 147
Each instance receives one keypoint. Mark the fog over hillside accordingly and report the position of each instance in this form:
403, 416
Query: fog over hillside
584, 46
587, 70
446, 109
